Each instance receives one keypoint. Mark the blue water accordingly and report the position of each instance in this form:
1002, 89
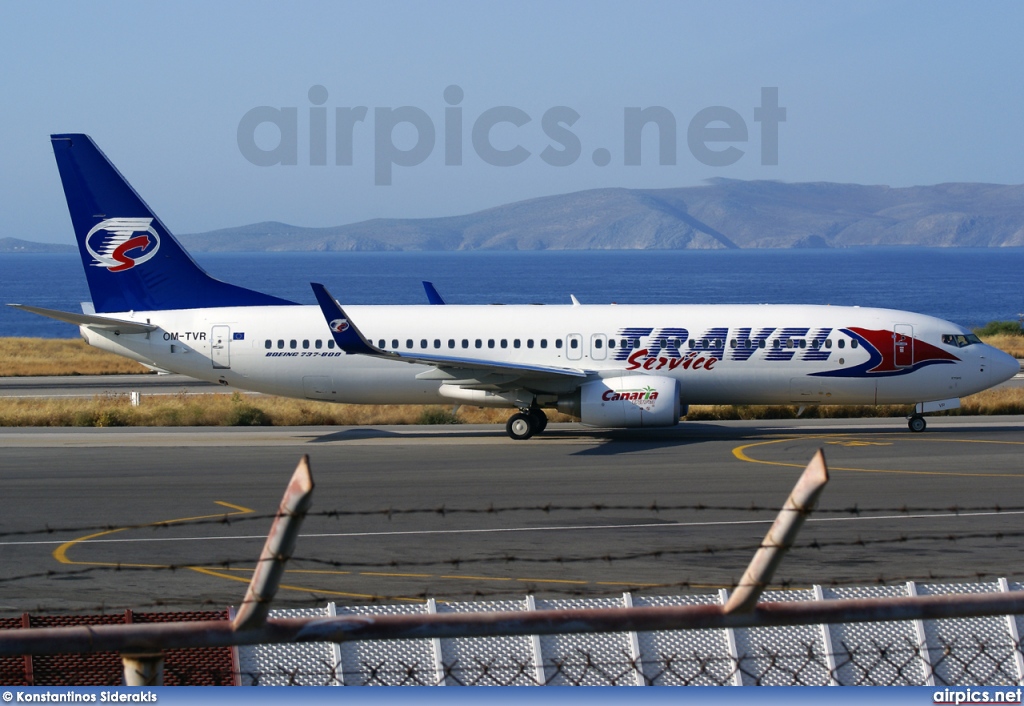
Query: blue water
968, 286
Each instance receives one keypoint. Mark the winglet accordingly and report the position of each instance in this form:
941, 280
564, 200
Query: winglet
575, 301
344, 331
432, 295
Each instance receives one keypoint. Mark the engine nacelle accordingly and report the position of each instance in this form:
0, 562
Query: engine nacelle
628, 401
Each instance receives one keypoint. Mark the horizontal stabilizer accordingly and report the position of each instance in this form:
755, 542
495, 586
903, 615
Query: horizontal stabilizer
96, 322
433, 296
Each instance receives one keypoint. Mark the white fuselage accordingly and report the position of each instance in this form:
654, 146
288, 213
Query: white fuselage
720, 354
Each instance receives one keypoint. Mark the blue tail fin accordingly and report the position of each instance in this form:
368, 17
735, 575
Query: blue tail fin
132, 262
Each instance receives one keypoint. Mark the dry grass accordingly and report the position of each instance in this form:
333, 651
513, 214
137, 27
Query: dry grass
59, 356
229, 410
1014, 345
246, 410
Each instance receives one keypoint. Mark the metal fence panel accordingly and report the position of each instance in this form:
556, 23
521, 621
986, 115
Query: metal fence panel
783, 656
684, 657
387, 662
488, 661
876, 654
295, 664
970, 651
586, 660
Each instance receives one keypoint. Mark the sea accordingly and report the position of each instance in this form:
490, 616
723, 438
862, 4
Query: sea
967, 286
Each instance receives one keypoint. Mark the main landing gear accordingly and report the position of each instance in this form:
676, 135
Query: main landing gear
917, 423
522, 425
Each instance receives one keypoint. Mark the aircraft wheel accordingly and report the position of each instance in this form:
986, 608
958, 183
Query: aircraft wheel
539, 419
520, 426
917, 424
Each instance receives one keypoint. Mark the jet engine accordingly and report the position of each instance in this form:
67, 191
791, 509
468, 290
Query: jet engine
625, 402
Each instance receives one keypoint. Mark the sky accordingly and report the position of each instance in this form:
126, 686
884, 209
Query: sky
325, 113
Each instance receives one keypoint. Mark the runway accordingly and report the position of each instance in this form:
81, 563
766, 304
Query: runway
168, 518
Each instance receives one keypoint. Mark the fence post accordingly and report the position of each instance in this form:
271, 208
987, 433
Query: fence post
435, 645
922, 640
143, 669
538, 656
730, 642
339, 667
1011, 625
277, 550
780, 536
826, 638
634, 645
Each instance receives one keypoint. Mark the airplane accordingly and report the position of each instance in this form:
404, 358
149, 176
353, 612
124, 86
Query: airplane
610, 366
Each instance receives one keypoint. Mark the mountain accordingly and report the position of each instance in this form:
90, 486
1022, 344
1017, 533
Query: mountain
723, 213
18, 245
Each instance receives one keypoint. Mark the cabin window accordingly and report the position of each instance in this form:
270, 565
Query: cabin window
293, 344
529, 343
267, 344
815, 344
516, 343
394, 343
853, 343
280, 343
733, 343
543, 343
761, 343
423, 343
504, 343
558, 343
574, 344
451, 342
478, 343
828, 342
437, 343
842, 343
597, 343
382, 343
490, 343
408, 343
330, 343
305, 344
318, 344
465, 343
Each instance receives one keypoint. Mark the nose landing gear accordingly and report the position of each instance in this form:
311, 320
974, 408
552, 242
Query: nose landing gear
917, 424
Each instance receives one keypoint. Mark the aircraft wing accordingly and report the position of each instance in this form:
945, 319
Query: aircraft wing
351, 340
96, 322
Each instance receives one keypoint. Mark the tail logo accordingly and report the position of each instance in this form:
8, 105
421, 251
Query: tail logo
119, 244
339, 325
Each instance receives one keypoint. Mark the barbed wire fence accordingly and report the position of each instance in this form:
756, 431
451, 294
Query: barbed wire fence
695, 639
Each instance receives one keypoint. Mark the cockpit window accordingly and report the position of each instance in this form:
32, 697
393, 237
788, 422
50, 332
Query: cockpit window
960, 340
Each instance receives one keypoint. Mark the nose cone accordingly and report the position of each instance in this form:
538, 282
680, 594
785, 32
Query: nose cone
1002, 366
